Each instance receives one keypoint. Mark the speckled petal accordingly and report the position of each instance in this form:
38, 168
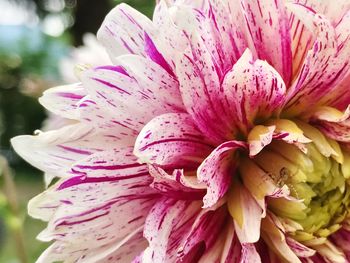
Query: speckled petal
171, 140
217, 169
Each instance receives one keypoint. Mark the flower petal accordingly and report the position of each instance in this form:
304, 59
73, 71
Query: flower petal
123, 30
171, 140
64, 100
165, 226
299, 249
259, 137
108, 174
113, 202
198, 234
342, 238
173, 185
154, 80
330, 252
199, 86
259, 184
333, 123
216, 171
246, 213
120, 94
251, 90
276, 239
268, 29
55, 151
325, 65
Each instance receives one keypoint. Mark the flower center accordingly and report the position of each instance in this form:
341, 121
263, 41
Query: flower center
316, 178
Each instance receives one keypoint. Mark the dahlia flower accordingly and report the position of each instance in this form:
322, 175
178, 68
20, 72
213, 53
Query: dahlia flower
220, 134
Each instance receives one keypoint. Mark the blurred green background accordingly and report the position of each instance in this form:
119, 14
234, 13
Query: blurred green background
35, 37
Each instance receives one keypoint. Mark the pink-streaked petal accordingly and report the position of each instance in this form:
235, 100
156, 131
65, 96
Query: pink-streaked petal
120, 94
246, 213
199, 86
169, 19
172, 185
251, 90
106, 174
339, 89
171, 140
55, 151
207, 219
325, 65
299, 249
302, 39
230, 25
331, 11
342, 239
268, 28
279, 129
250, 254
164, 227
341, 100
98, 228
64, 100
153, 80
105, 121
122, 31
330, 252
217, 169
122, 250
126, 31
234, 251
289, 132
232, 247
113, 202
333, 123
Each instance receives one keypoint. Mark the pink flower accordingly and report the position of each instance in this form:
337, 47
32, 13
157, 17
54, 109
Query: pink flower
219, 134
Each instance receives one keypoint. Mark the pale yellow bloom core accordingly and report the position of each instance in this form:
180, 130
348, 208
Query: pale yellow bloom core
316, 174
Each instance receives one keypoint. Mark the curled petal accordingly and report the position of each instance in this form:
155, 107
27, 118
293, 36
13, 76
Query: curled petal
174, 185
259, 184
217, 169
299, 249
259, 137
333, 123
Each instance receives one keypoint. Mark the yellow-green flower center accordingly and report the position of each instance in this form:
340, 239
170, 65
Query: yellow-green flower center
316, 177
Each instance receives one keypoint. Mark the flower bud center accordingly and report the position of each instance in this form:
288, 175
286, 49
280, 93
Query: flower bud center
316, 179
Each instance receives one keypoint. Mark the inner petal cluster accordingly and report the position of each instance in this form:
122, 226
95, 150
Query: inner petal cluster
314, 176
